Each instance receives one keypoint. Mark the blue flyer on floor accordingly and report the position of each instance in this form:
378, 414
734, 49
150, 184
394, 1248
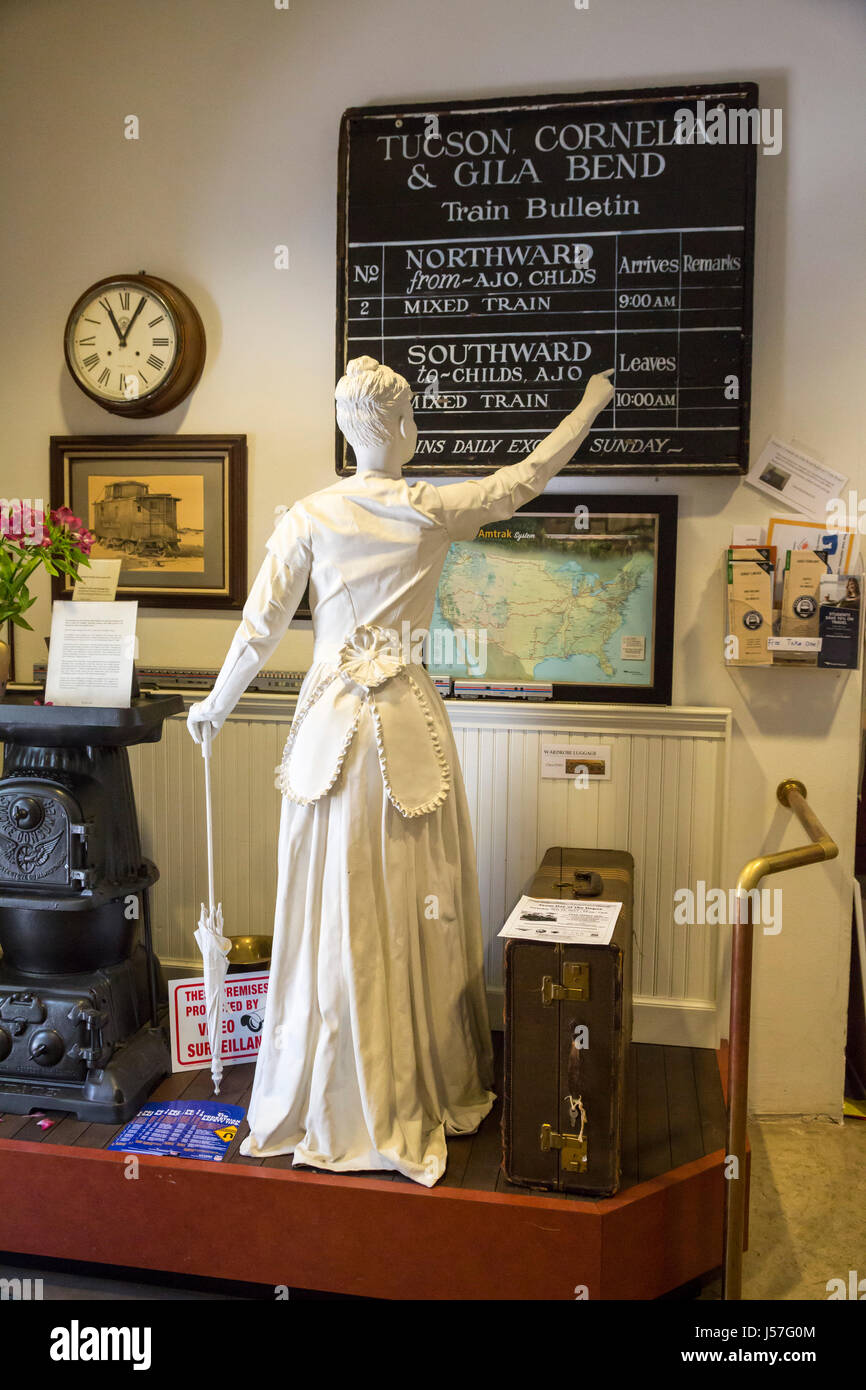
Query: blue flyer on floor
191, 1129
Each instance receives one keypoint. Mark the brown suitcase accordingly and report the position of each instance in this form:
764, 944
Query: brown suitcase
567, 1035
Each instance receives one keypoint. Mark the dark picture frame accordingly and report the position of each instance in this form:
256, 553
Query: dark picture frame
663, 509
173, 507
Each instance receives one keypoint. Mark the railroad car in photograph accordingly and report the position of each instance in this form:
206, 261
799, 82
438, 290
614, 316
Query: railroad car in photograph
132, 518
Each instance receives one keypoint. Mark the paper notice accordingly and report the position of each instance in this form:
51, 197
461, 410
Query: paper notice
552, 919
796, 479
91, 653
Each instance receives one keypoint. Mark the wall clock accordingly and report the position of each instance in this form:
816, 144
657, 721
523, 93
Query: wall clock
135, 344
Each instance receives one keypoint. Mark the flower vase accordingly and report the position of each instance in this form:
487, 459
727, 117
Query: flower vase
5, 664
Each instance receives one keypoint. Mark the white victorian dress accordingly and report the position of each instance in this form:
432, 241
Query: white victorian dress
376, 1040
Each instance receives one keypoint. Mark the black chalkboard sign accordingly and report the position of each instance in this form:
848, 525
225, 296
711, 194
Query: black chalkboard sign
498, 252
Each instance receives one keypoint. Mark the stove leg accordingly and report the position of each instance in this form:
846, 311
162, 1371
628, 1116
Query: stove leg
151, 959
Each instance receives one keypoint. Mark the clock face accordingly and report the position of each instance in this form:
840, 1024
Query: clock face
122, 342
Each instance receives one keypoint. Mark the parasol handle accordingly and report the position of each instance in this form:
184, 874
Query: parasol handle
206, 754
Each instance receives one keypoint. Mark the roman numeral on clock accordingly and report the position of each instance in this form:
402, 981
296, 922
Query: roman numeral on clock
91, 361
160, 342
153, 322
104, 377
87, 342
124, 299
154, 361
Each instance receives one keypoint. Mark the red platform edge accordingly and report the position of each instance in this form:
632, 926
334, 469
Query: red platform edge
344, 1234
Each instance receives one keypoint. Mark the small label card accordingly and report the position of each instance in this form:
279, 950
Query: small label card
584, 760
98, 584
794, 644
633, 648
91, 653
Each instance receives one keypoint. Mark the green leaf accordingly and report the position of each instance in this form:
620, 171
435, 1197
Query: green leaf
20, 622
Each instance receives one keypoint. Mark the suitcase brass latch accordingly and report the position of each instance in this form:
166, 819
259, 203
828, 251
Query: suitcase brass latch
575, 984
572, 1149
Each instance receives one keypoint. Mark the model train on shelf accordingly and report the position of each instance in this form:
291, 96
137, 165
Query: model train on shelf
132, 518
289, 683
466, 689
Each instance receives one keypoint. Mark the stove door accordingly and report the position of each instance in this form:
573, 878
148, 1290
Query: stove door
41, 836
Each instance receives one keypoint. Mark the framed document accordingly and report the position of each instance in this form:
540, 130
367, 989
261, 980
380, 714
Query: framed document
172, 508
574, 592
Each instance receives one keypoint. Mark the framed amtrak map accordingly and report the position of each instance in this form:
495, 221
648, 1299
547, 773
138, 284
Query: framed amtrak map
573, 593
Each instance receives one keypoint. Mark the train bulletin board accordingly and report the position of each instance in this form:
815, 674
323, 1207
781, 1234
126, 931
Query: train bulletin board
498, 252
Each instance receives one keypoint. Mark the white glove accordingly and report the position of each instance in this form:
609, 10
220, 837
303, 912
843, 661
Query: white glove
598, 392
197, 718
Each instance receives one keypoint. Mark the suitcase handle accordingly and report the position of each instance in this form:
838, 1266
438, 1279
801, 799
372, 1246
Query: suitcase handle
587, 884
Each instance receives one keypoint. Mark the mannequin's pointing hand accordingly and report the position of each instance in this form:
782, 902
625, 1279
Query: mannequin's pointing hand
598, 393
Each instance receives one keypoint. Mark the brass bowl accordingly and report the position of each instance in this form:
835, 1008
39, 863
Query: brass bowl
250, 950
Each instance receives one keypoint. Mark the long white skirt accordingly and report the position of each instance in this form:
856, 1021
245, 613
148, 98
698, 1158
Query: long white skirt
376, 1039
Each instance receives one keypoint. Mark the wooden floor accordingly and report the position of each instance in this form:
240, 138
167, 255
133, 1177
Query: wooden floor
675, 1114
479, 1236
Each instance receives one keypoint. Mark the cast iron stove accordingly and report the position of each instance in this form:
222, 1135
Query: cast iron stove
82, 1027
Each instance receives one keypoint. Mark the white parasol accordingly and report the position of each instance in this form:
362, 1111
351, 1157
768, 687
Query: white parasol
213, 945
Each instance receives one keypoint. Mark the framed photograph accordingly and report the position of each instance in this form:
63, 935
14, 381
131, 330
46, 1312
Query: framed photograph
574, 592
172, 508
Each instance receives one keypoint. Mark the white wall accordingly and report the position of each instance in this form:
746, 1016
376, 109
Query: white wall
239, 105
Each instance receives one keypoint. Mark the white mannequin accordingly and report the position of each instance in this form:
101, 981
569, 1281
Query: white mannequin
376, 1039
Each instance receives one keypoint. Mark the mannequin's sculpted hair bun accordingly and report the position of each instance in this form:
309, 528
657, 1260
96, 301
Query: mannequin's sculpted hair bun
369, 398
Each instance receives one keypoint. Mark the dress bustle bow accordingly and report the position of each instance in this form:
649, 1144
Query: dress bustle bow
414, 768
368, 658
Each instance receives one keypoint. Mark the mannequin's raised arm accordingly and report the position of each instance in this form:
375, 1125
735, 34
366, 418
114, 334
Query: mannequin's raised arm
468, 505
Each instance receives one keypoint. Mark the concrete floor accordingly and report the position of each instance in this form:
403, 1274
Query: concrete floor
807, 1219
807, 1223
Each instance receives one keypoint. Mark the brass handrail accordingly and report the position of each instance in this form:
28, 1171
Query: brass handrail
793, 794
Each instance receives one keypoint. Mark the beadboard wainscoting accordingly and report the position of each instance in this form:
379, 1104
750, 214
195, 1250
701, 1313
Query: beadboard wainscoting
665, 803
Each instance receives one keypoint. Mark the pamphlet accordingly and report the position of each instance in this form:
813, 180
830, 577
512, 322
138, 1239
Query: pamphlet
795, 533
750, 610
839, 621
804, 570
579, 921
91, 653
181, 1129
